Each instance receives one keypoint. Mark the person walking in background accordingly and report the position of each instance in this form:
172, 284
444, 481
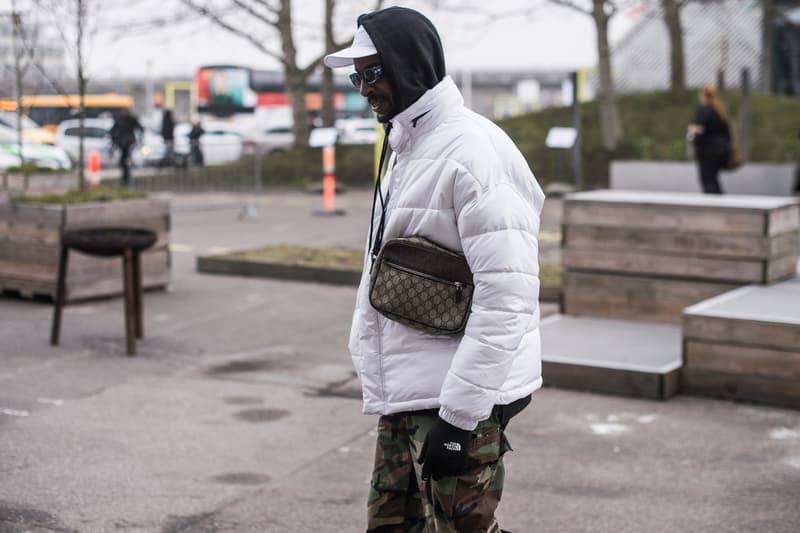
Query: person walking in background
457, 179
168, 134
123, 137
711, 136
195, 150
796, 188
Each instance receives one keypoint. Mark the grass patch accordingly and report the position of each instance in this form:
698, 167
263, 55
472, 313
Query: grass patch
346, 259
99, 194
30, 167
339, 258
654, 126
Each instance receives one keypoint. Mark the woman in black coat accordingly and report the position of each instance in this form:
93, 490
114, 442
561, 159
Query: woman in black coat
711, 136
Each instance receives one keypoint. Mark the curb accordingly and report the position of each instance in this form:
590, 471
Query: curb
217, 264
221, 264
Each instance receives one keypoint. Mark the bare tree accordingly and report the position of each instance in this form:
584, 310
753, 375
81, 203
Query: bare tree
601, 12
23, 50
328, 113
767, 23
275, 16
672, 19
72, 21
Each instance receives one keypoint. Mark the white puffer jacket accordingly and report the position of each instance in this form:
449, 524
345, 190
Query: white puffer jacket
457, 179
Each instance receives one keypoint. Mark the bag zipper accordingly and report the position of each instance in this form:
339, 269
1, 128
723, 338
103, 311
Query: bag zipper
459, 286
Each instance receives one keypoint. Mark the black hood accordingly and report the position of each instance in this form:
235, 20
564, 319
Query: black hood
410, 50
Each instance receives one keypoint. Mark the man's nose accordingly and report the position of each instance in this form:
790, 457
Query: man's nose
364, 88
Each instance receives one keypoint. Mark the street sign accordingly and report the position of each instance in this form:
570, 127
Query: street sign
322, 137
561, 137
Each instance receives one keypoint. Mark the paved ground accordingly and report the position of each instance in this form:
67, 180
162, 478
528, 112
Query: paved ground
241, 413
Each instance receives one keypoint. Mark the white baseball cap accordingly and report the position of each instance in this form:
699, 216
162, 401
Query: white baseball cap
362, 47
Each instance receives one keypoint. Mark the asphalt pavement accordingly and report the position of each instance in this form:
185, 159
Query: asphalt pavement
241, 413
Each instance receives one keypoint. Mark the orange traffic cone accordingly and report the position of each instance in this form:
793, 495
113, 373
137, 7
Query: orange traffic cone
94, 169
329, 183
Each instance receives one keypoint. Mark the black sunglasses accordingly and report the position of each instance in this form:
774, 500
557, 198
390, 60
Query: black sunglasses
371, 75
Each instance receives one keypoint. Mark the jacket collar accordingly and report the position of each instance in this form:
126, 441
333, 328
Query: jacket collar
424, 115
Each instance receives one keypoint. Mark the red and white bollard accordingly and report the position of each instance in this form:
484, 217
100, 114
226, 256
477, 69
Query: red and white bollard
329, 183
94, 169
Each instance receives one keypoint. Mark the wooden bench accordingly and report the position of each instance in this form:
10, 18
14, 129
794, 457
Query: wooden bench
648, 255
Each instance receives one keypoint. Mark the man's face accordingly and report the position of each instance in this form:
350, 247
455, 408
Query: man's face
379, 94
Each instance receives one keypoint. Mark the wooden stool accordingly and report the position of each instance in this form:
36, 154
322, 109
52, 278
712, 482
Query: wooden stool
108, 241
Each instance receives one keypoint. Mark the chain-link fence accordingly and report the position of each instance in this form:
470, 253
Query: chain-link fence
720, 39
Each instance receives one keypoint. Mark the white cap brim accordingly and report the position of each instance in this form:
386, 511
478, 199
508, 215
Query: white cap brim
362, 47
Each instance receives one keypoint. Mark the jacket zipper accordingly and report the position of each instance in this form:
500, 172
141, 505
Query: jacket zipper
459, 286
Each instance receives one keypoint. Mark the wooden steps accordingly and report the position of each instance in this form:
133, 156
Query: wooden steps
745, 345
647, 255
635, 261
611, 356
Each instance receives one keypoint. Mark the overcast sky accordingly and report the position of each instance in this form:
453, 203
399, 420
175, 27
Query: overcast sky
548, 38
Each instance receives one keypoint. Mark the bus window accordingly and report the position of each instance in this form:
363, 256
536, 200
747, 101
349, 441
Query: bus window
51, 109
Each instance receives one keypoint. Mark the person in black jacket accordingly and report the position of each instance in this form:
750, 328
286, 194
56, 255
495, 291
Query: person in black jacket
123, 136
710, 133
168, 134
195, 150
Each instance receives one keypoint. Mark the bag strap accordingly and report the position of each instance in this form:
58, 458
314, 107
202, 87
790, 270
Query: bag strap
378, 194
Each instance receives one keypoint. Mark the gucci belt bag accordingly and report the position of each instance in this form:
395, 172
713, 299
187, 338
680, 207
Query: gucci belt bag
415, 281
423, 285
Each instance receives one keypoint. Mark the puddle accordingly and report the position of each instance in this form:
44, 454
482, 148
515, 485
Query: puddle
241, 478
199, 523
262, 415
243, 366
243, 400
18, 519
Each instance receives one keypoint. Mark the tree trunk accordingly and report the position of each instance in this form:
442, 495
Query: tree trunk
296, 87
81, 93
610, 123
328, 89
16, 36
672, 19
767, 24
295, 77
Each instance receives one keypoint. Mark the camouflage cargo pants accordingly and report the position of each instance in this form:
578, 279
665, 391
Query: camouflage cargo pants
401, 502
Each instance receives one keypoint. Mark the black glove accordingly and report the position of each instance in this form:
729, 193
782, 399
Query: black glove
445, 451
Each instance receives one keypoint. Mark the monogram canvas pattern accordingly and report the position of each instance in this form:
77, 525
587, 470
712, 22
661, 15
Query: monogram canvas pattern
438, 307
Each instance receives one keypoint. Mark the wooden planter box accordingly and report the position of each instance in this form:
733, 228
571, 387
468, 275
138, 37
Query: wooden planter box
745, 345
647, 255
30, 243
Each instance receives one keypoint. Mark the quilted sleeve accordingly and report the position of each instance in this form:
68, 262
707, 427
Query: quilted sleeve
498, 227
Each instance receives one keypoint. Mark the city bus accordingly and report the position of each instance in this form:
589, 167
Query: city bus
231, 90
49, 110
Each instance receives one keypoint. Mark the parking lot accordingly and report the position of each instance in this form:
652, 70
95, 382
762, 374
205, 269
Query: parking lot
241, 413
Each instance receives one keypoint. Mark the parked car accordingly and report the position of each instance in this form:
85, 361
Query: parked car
148, 151
274, 139
96, 136
31, 131
357, 130
43, 155
220, 143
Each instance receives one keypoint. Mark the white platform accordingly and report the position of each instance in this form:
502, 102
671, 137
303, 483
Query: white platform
611, 356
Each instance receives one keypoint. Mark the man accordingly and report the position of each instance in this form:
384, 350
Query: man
195, 148
168, 134
454, 178
123, 136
